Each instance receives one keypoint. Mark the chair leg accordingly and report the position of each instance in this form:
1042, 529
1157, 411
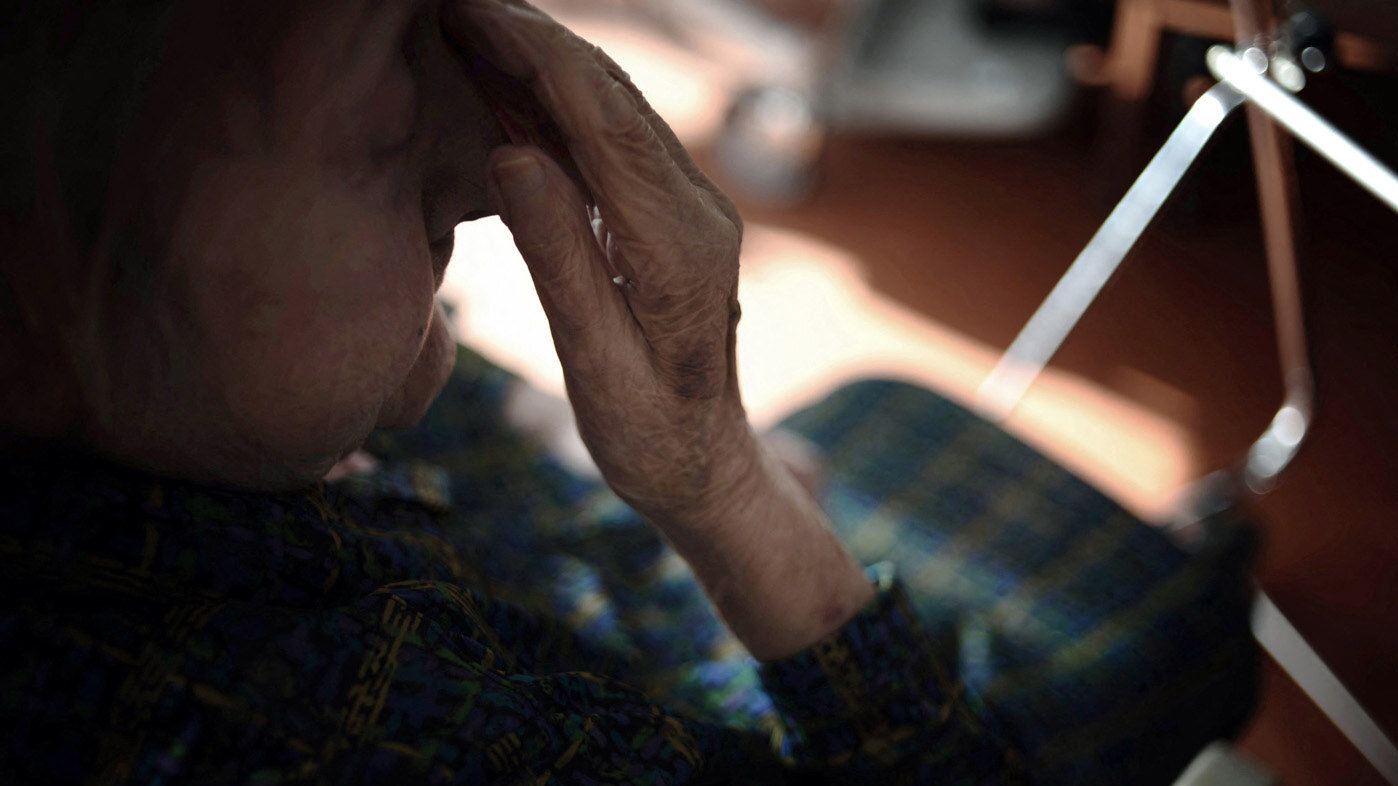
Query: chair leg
1129, 71
1274, 163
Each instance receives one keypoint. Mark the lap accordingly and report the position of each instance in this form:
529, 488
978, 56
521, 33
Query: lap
1103, 648
1093, 637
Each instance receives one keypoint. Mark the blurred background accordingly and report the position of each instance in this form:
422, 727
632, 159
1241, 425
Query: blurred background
917, 174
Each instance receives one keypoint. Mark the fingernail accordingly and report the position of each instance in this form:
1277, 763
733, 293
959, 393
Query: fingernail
517, 179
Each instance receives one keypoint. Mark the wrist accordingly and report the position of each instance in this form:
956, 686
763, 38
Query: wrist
720, 479
767, 557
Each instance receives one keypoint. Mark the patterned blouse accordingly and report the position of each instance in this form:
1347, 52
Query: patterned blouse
471, 612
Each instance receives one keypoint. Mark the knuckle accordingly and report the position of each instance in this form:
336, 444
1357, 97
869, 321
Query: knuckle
731, 233
717, 222
609, 65
559, 51
564, 41
620, 120
730, 211
732, 220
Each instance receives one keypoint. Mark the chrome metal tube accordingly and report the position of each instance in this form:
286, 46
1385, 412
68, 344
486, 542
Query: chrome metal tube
1289, 649
1304, 124
1096, 263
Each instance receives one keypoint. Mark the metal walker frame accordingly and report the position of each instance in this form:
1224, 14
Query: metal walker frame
1242, 79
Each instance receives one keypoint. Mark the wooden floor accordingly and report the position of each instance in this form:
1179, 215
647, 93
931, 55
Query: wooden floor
973, 235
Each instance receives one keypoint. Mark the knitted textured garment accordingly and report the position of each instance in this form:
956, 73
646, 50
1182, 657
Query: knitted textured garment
472, 612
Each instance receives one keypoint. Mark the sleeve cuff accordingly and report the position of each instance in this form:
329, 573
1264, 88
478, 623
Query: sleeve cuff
870, 693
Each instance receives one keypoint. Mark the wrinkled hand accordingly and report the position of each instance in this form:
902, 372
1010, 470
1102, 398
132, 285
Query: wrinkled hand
634, 254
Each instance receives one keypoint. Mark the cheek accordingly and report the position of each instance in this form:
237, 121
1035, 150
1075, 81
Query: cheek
310, 306
429, 373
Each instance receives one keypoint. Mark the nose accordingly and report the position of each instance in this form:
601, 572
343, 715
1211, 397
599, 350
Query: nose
460, 126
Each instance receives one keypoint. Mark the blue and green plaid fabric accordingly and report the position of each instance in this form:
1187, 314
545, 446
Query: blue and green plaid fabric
472, 612
1107, 653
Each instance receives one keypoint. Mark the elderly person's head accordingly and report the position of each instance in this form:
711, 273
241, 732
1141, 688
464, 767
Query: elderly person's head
224, 224
228, 221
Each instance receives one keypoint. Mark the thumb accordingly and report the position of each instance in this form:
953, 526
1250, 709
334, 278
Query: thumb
548, 218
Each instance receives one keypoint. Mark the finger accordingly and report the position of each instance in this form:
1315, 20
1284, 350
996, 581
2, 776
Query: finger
630, 172
667, 137
544, 211
525, 121
528, 124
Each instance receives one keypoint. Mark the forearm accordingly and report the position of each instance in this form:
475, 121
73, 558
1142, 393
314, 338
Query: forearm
642, 304
767, 558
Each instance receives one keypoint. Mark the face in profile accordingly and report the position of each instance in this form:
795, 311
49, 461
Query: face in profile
307, 225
